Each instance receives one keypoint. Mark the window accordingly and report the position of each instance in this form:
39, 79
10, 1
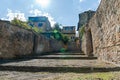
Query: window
40, 24
72, 37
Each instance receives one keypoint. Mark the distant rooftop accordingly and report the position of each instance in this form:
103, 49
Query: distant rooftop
68, 26
38, 18
68, 29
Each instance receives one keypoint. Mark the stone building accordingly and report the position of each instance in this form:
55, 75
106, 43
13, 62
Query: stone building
85, 17
102, 33
69, 31
41, 22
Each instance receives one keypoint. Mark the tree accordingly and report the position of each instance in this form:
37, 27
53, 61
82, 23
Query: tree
57, 27
57, 35
65, 39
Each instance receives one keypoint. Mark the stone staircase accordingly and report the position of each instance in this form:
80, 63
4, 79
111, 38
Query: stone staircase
57, 63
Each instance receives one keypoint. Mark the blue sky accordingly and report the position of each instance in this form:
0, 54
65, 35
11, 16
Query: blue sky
64, 12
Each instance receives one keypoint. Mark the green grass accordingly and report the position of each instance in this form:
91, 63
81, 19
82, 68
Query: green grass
87, 76
96, 76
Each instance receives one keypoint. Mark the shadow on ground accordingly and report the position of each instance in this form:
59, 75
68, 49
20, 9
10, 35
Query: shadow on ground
26, 58
57, 69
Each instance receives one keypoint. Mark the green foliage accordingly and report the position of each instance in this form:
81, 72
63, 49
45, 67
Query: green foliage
59, 36
65, 39
16, 22
57, 27
96, 76
76, 39
25, 25
62, 50
82, 31
20, 23
37, 30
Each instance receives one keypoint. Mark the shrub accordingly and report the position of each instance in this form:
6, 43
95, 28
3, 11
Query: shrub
65, 39
62, 50
57, 35
20, 23
36, 29
25, 25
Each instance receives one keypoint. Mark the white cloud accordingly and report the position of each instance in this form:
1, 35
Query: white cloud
11, 15
37, 12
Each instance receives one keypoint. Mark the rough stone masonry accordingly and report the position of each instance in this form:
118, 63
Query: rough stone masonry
102, 33
16, 41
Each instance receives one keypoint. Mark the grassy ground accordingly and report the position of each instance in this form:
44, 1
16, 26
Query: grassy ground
87, 76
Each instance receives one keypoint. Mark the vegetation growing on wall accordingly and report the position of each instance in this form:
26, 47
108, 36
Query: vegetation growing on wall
56, 33
20, 23
36, 29
25, 25
82, 31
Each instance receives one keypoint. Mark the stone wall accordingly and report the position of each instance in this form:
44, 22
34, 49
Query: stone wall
104, 28
46, 45
41, 44
85, 17
74, 47
14, 41
55, 45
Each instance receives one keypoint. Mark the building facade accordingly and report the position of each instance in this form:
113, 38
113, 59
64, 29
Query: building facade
41, 22
69, 31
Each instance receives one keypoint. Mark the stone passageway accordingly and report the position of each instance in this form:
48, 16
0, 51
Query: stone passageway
52, 67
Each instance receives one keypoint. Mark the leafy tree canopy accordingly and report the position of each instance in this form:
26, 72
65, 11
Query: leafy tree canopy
57, 27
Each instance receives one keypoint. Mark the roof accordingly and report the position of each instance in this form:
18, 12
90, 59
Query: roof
38, 18
68, 26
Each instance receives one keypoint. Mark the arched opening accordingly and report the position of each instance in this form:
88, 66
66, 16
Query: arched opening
89, 43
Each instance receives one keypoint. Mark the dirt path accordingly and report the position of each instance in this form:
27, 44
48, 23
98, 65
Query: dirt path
53, 67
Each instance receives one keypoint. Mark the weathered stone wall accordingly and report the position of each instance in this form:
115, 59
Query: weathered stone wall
41, 44
45, 45
55, 45
74, 47
85, 17
105, 32
14, 41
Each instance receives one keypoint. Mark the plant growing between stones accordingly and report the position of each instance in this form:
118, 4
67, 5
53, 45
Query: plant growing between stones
82, 31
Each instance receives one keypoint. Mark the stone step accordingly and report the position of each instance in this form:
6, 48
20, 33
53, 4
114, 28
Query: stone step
58, 56
57, 69
70, 53
64, 57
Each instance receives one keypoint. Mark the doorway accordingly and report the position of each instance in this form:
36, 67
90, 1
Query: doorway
89, 43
